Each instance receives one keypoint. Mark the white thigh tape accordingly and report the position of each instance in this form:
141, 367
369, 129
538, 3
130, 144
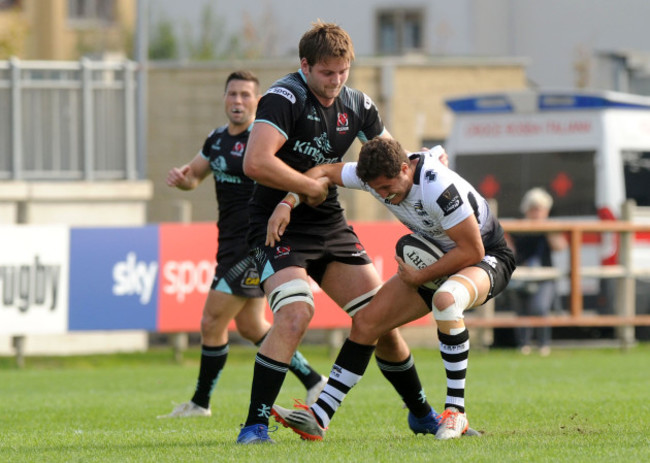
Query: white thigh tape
289, 292
360, 302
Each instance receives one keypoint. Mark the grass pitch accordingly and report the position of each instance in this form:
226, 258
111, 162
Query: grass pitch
576, 405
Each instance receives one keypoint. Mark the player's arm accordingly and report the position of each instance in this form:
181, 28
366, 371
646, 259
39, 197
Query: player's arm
329, 174
190, 175
326, 174
469, 251
278, 222
385, 134
330, 171
557, 241
262, 165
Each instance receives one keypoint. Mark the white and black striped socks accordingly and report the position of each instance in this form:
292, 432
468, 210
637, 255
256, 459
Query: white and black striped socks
454, 349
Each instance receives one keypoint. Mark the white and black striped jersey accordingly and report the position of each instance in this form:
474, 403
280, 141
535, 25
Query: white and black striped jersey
438, 200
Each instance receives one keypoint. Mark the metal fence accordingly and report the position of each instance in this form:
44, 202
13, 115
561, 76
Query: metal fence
67, 120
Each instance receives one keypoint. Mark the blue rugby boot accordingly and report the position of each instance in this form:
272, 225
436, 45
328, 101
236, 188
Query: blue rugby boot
255, 434
428, 424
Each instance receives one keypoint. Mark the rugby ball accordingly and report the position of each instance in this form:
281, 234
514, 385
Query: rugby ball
419, 253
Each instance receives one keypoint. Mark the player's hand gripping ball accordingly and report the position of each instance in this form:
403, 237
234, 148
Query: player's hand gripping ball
419, 253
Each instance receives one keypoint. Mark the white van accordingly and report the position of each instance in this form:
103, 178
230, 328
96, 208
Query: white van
589, 149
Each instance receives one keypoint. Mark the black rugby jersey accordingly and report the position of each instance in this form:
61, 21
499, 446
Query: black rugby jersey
225, 153
315, 135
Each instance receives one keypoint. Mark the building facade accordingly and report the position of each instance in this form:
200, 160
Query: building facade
66, 29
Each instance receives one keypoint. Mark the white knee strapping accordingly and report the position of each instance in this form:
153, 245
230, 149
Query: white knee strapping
360, 302
461, 299
472, 284
291, 291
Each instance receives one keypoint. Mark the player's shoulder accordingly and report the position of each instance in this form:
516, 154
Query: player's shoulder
290, 87
427, 166
431, 159
431, 174
355, 99
218, 132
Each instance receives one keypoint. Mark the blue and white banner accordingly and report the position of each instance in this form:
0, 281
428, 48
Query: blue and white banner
114, 278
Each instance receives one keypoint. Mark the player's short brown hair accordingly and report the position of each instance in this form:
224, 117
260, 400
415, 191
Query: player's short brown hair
380, 156
242, 75
324, 41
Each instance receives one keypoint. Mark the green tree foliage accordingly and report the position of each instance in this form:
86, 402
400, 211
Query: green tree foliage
163, 43
210, 41
206, 46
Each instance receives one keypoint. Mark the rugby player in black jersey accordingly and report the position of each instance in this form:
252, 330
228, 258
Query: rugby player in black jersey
235, 292
305, 119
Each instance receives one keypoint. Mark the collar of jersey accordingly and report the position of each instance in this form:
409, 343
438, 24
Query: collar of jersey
418, 168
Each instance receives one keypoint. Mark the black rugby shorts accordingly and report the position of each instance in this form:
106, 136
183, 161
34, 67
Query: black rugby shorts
240, 279
498, 263
311, 248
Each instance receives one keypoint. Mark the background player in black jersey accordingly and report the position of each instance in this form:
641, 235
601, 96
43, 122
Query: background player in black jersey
235, 291
309, 118
438, 204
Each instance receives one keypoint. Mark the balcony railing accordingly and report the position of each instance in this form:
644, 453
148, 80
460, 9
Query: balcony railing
68, 120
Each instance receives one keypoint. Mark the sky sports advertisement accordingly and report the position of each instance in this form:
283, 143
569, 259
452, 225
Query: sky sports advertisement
113, 278
55, 279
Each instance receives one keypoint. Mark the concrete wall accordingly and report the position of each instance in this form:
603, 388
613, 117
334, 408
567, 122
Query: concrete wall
11, 195
78, 343
75, 203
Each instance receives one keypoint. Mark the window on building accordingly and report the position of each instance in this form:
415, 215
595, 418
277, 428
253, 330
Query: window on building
570, 177
640, 83
400, 31
636, 168
8, 4
431, 142
91, 10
